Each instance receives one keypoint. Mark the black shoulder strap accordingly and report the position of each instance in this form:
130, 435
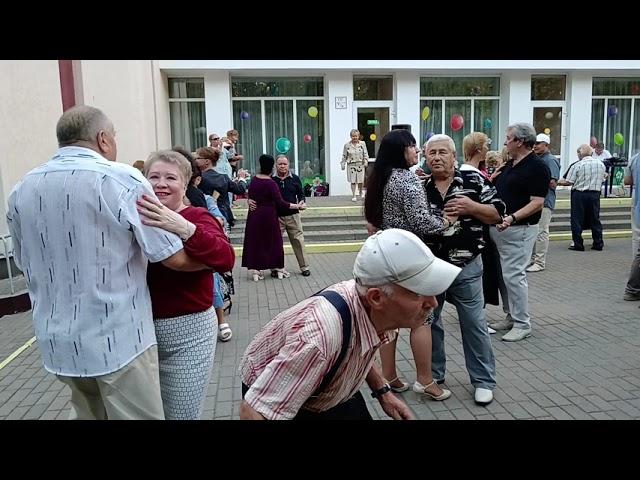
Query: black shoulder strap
341, 306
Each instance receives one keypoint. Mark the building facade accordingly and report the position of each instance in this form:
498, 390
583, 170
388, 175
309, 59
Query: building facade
306, 108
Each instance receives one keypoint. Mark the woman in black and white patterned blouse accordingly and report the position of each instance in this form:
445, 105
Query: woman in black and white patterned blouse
396, 199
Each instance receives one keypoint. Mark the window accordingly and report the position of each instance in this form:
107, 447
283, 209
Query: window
373, 88
187, 113
297, 116
277, 87
451, 105
614, 115
548, 87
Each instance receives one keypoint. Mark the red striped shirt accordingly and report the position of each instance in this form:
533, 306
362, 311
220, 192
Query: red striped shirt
288, 359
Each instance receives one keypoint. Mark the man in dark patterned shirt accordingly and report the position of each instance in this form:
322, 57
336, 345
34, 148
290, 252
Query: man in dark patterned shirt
464, 193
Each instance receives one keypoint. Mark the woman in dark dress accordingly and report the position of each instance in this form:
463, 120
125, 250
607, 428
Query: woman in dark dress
263, 249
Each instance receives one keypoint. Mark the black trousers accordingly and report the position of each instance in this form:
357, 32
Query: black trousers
585, 210
353, 409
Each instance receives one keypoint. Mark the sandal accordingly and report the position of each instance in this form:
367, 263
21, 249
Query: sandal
283, 274
404, 386
422, 389
225, 332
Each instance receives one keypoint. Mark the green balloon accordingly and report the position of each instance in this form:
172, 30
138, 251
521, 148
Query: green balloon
283, 145
618, 139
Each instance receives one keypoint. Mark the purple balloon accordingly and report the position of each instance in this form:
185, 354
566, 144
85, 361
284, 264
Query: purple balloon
429, 135
612, 111
244, 115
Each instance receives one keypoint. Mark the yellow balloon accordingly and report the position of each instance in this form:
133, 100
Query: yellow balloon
547, 131
425, 113
373, 137
313, 112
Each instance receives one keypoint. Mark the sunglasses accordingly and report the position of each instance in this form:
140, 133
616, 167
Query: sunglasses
214, 138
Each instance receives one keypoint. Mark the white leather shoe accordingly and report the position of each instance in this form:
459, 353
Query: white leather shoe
483, 396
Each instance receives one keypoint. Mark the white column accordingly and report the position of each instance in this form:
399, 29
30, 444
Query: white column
515, 95
578, 125
408, 101
339, 123
217, 102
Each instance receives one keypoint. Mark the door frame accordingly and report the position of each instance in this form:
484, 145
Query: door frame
390, 104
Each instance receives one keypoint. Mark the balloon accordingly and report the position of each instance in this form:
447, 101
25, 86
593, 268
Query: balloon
313, 112
547, 131
548, 115
307, 138
425, 113
612, 111
635, 89
488, 124
373, 137
283, 145
457, 122
244, 115
593, 142
618, 139
429, 135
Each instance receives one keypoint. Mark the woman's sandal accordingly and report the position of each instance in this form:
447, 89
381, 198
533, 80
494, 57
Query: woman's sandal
283, 274
422, 389
224, 332
402, 388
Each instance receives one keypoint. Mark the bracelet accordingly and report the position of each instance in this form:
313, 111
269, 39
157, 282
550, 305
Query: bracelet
514, 218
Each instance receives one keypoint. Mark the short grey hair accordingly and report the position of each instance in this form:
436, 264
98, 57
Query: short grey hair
525, 132
81, 123
355, 130
585, 150
387, 289
282, 155
173, 158
439, 138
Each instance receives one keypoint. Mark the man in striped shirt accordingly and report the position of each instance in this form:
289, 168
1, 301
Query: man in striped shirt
586, 179
296, 366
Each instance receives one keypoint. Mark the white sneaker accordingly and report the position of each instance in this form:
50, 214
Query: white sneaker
483, 396
354, 199
535, 268
491, 330
516, 334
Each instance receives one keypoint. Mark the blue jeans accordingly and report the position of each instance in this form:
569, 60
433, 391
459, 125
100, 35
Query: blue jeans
465, 293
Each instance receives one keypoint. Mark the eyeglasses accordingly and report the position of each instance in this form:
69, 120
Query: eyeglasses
214, 138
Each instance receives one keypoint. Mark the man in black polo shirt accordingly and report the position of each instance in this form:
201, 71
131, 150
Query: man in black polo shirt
291, 191
467, 195
522, 185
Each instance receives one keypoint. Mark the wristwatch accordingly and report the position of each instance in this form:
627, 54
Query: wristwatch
514, 218
381, 391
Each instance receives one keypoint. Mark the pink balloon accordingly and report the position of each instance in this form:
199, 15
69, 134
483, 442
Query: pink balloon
593, 142
457, 122
307, 138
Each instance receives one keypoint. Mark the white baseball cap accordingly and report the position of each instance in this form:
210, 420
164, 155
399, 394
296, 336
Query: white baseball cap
400, 257
543, 138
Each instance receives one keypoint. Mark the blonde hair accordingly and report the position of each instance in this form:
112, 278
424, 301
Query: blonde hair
172, 158
494, 158
472, 143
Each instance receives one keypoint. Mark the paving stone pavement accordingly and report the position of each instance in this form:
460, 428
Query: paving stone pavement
582, 361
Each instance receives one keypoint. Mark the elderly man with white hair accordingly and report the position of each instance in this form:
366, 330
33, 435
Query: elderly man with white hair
467, 195
310, 361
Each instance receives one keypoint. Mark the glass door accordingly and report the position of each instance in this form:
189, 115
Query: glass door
548, 118
372, 123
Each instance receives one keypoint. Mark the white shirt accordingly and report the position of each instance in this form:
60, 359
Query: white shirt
81, 245
603, 156
587, 174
